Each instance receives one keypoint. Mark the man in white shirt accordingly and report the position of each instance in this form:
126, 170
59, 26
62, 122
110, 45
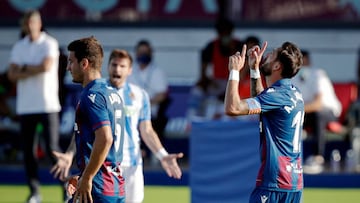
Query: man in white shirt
321, 107
153, 80
34, 67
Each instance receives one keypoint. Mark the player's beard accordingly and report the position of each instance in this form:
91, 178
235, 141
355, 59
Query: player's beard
265, 69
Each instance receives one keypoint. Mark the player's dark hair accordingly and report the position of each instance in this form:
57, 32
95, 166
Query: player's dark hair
290, 57
119, 53
143, 42
224, 25
89, 48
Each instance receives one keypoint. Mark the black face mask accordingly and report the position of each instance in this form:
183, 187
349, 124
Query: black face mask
143, 59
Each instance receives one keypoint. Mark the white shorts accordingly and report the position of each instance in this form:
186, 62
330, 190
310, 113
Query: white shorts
134, 183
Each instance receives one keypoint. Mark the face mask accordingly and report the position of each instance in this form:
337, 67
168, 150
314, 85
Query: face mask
143, 59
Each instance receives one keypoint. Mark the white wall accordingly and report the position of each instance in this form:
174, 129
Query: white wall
177, 51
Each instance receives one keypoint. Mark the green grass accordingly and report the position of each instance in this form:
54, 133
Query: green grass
176, 194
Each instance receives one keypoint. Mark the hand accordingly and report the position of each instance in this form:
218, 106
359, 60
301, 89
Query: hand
83, 191
170, 165
237, 61
72, 185
62, 167
255, 55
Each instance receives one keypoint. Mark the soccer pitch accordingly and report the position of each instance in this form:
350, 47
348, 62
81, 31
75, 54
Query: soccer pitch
174, 194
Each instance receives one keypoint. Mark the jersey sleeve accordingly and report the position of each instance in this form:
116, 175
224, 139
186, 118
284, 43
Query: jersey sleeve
95, 106
145, 112
269, 100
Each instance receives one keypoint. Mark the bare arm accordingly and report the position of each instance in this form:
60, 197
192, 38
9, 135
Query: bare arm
149, 136
64, 160
233, 104
101, 146
314, 105
256, 87
151, 139
17, 72
254, 59
158, 98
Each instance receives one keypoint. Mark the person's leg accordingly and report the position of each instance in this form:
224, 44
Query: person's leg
322, 119
310, 126
134, 183
28, 133
50, 133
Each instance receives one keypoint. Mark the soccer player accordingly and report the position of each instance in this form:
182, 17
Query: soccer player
99, 127
137, 123
281, 109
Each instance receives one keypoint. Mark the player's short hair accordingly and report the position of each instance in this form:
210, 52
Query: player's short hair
289, 55
120, 53
89, 48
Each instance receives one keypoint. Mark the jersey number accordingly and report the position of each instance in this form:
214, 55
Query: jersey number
297, 123
117, 129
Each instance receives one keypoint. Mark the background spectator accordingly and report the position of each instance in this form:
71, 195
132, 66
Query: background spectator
321, 107
34, 66
153, 80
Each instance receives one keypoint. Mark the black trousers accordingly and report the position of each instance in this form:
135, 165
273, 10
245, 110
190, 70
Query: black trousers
317, 123
50, 134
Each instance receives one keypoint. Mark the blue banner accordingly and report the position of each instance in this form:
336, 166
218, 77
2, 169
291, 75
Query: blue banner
224, 160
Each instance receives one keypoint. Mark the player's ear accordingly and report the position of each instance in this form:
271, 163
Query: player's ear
277, 66
84, 63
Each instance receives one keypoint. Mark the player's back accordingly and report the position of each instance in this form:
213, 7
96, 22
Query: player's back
281, 127
100, 105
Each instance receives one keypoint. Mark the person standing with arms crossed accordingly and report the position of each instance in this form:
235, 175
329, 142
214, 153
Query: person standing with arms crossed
34, 67
99, 127
138, 123
281, 109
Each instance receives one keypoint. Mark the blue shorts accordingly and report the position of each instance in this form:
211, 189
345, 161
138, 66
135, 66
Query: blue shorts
269, 196
105, 199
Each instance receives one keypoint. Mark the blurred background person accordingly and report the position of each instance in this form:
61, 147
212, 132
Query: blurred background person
321, 107
207, 95
153, 80
34, 67
216, 53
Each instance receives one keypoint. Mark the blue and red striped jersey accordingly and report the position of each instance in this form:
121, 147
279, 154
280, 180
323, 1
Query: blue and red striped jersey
281, 121
100, 105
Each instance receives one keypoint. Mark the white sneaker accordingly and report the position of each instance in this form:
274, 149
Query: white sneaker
34, 198
314, 165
